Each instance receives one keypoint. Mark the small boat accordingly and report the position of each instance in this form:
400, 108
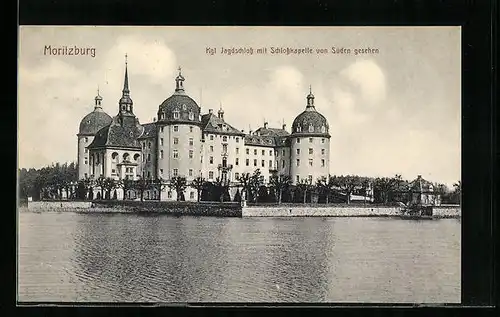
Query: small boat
416, 211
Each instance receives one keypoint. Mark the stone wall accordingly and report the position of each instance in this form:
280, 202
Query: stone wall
297, 211
58, 205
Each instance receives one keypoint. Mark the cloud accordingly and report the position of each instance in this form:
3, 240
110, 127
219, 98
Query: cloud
370, 79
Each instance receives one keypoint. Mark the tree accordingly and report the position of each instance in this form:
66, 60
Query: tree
198, 184
141, 185
222, 189
178, 184
325, 186
364, 185
263, 195
385, 186
245, 184
304, 186
160, 184
100, 181
347, 184
280, 183
254, 183
126, 184
109, 184
237, 196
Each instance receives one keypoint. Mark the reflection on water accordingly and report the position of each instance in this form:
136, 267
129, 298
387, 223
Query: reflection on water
123, 257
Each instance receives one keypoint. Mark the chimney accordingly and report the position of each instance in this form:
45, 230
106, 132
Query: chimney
265, 125
210, 111
284, 126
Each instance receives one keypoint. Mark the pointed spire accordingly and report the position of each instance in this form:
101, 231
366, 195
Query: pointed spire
179, 86
125, 101
221, 112
310, 99
98, 100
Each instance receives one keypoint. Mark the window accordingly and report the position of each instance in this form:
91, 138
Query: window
237, 175
263, 163
270, 163
310, 178
211, 137
85, 175
176, 140
323, 129
191, 142
283, 164
175, 172
270, 152
224, 148
322, 151
254, 152
298, 151
176, 128
190, 154
322, 162
169, 194
310, 140
113, 171
276, 153
237, 162
176, 153
298, 162
298, 140
311, 128
161, 154
248, 151
161, 171
237, 140
323, 140
283, 153
190, 129
263, 152
191, 195
211, 160
254, 162
310, 162
161, 141
143, 145
210, 175
176, 114
191, 116
149, 145
297, 179
86, 150
237, 151
149, 174
310, 151
190, 172
224, 139
161, 129
211, 148
247, 163
86, 139
149, 157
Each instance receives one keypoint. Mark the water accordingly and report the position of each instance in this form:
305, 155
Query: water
129, 258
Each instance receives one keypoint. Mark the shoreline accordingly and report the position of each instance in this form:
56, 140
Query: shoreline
228, 209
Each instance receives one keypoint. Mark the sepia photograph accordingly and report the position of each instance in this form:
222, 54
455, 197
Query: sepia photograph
209, 164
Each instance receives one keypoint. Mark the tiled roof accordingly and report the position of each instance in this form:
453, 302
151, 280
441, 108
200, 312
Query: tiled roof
271, 131
122, 132
310, 121
212, 124
94, 121
267, 137
149, 131
185, 106
419, 181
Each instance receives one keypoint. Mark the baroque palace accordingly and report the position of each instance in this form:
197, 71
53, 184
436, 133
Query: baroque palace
184, 142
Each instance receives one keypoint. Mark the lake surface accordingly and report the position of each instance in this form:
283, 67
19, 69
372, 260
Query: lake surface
129, 258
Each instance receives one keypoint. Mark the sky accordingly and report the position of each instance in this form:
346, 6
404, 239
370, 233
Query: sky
394, 110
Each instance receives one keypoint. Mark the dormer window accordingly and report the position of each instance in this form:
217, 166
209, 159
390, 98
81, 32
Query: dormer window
224, 138
183, 106
176, 114
191, 116
323, 129
311, 128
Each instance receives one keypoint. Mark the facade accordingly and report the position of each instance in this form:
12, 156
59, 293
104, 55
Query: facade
184, 142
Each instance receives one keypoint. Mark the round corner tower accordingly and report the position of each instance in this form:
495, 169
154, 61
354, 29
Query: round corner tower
309, 145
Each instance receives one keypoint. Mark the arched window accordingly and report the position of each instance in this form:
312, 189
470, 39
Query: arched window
323, 129
126, 156
136, 157
176, 114
191, 116
311, 128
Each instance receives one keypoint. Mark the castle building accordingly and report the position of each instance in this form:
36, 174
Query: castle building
185, 142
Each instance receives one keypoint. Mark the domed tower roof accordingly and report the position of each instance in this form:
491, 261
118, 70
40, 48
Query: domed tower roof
310, 122
179, 108
95, 120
